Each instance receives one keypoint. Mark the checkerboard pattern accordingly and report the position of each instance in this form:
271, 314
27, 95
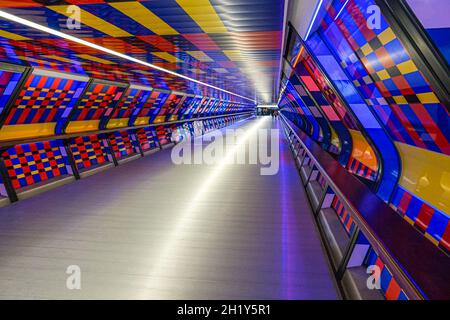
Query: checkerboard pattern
385, 74
162, 112
134, 99
163, 135
146, 138
28, 164
87, 151
208, 40
433, 223
389, 286
155, 102
360, 169
8, 82
121, 144
98, 102
45, 99
343, 214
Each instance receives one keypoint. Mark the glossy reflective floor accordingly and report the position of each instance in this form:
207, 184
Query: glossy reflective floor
151, 229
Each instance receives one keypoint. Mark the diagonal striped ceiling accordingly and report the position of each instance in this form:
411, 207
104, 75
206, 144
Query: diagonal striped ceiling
231, 44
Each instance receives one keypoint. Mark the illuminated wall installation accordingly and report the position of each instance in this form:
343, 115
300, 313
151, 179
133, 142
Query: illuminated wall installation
95, 106
133, 100
42, 105
153, 104
28, 164
162, 112
88, 151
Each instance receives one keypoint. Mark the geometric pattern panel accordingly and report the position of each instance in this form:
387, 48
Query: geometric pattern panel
146, 114
389, 286
45, 102
163, 135
433, 223
147, 138
162, 113
389, 79
28, 164
97, 103
344, 215
121, 144
134, 99
8, 82
88, 151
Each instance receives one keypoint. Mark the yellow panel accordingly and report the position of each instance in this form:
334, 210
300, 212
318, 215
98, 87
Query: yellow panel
335, 139
92, 21
428, 97
27, 131
426, 174
62, 59
203, 13
141, 120
362, 151
366, 49
80, 126
117, 123
12, 36
159, 119
233, 55
200, 56
166, 56
383, 74
400, 99
407, 67
144, 16
96, 59
173, 117
386, 36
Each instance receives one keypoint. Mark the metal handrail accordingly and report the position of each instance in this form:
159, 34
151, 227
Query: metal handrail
407, 282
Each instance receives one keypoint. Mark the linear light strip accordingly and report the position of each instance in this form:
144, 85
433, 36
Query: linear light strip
313, 19
340, 11
39, 27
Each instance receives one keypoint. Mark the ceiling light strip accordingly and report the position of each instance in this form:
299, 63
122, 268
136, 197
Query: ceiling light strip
37, 26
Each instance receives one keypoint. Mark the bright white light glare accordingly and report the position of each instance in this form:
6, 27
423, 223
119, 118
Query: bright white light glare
37, 26
268, 106
343, 6
313, 19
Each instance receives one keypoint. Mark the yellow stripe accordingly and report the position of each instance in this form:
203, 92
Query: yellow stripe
426, 174
144, 16
203, 13
26, 131
431, 238
116, 123
12, 36
428, 97
92, 21
80, 126
233, 55
62, 59
141, 120
200, 56
166, 56
95, 59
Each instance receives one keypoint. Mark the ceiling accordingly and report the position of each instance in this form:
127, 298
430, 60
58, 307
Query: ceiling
233, 45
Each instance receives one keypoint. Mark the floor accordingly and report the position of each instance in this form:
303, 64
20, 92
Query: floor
152, 229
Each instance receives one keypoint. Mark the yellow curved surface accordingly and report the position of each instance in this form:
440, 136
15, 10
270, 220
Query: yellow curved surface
81, 126
21, 131
426, 174
362, 151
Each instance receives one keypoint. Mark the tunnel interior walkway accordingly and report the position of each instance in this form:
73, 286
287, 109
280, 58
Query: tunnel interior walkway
151, 229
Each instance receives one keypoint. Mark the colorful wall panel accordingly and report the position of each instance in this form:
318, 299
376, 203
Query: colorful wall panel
162, 113
9, 81
147, 138
387, 76
42, 105
121, 144
133, 100
29, 164
155, 102
88, 151
95, 106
